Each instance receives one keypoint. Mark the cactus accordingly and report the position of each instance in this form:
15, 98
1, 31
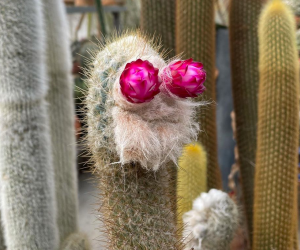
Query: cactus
76, 241
133, 146
212, 222
61, 112
244, 16
158, 18
27, 176
191, 179
275, 197
195, 37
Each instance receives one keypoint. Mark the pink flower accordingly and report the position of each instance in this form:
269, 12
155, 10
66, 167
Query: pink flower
139, 81
185, 78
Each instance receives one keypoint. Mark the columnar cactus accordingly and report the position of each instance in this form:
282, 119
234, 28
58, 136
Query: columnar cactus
191, 179
275, 198
158, 18
61, 111
244, 16
195, 37
136, 127
27, 176
212, 223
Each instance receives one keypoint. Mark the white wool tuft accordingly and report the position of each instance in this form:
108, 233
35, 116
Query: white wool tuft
212, 222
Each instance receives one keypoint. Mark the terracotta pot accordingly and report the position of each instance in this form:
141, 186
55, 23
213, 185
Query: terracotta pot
69, 2
84, 2
113, 2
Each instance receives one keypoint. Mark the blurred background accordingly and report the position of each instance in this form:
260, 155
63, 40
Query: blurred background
89, 21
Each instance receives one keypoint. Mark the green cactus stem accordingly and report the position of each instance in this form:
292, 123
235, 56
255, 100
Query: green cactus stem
275, 197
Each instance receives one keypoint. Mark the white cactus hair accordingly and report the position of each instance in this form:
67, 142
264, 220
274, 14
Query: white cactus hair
150, 133
212, 222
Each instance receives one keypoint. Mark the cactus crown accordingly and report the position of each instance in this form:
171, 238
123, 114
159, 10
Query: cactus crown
150, 133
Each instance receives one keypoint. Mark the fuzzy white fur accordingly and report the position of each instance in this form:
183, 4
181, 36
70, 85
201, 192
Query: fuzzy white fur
150, 133
61, 111
26, 171
212, 222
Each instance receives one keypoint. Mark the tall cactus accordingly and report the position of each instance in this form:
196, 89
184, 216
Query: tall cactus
275, 198
27, 177
195, 37
158, 18
61, 111
191, 180
132, 145
244, 16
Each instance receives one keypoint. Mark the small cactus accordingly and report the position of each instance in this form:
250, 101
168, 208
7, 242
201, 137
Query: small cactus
191, 179
275, 198
212, 222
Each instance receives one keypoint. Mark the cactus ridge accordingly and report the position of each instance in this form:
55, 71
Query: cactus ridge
195, 37
158, 18
244, 17
275, 198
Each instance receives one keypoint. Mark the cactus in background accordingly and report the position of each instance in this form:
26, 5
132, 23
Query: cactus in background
212, 222
61, 111
191, 179
134, 137
76, 241
244, 16
195, 37
275, 198
158, 18
27, 177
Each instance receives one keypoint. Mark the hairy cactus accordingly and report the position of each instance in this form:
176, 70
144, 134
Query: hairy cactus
244, 16
195, 37
212, 222
134, 138
191, 179
27, 177
275, 198
61, 112
76, 241
158, 18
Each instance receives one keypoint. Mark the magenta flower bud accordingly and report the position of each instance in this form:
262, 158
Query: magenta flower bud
139, 81
185, 78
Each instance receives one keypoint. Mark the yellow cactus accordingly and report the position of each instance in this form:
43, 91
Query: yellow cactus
191, 179
275, 197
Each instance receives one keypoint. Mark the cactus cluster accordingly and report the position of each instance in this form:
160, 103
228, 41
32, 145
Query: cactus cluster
275, 198
244, 16
195, 37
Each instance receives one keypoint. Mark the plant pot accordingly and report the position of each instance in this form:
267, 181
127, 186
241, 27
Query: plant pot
84, 2
113, 2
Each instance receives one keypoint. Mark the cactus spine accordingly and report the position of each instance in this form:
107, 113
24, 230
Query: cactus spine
61, 112
191, 179
27, 176
275, 198
244, 16
158, 18
195, 37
